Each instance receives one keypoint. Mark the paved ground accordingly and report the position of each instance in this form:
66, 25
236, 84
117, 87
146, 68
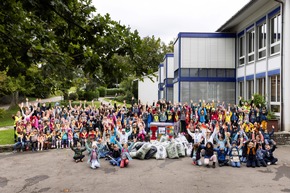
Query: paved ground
54, 171
52, 99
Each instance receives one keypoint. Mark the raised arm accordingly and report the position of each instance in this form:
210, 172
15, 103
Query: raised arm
190, 133
130, 132
119, 144
87, 147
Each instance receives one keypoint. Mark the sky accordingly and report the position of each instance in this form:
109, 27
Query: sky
165, 19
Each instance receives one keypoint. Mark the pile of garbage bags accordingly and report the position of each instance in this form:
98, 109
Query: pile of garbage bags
162, 149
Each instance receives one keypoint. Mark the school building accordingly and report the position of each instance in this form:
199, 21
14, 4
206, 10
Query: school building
248, 54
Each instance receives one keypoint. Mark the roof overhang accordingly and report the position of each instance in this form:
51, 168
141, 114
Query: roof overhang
242, 14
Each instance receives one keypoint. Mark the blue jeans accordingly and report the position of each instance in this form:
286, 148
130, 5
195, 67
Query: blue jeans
19, 144
236, 164
115, 161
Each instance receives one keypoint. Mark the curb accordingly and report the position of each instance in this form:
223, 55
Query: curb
6, 148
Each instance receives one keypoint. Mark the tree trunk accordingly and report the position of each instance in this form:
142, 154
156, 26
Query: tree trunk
15, 99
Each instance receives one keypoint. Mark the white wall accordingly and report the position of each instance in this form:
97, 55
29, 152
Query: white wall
175, 92
207, 53
176, 55
148, 90
274, 63
261, 66
241, 72
170, 67
250, 69
161, 74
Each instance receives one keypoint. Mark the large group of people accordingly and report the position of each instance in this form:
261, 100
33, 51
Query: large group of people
220, 133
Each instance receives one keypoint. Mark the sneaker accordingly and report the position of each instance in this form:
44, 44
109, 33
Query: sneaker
213, 166
193, 163
77, 161
269, 163
275, 163
207, 166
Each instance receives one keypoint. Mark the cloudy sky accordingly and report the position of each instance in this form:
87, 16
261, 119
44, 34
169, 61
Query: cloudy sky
165, 19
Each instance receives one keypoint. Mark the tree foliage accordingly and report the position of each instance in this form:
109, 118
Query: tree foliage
55, 44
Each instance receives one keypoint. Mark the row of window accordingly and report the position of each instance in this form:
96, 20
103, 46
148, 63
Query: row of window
223, 91
264, 35
274, 90
206, 72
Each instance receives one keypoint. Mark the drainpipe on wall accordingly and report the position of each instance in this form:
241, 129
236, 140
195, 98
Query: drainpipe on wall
282, 68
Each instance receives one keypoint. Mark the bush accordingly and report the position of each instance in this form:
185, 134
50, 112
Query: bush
41, 92
81, 95
102, 91
114, 91
5, 99
2, 111
271, 115
90, 95
259, 100
73, 96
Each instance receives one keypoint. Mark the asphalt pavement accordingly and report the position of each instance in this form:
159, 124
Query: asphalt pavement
55, 171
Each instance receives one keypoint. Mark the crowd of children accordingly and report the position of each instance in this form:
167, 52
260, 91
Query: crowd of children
224, 134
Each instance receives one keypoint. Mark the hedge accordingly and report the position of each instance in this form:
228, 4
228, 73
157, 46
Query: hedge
102, 91
114, 91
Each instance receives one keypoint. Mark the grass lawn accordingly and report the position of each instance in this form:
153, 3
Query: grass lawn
112, 101
7, 137
7, 120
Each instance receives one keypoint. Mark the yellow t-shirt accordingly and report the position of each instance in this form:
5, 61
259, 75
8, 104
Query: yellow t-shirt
16, 119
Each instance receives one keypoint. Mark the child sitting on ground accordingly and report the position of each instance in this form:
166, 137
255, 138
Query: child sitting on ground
209, 154
251, 154
78, 156
125, 156
115, 154
195, 155
260, 154
234, 153
269, 158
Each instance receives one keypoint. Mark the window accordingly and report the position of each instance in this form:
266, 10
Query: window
241, 51
275, 33
262, 35
184, 72
230, 73
261, 86
169, 80
221, 73
250, 88
202, 72
275, 88
194, 72
211, 72
251, 45
241, 88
